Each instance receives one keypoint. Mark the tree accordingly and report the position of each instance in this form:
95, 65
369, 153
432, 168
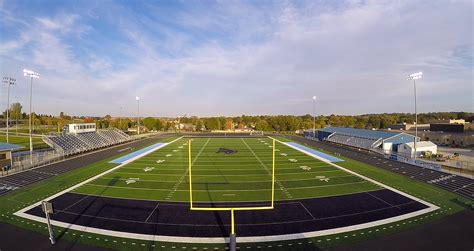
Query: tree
150, 123
199, 125
262, 125
15, 111
212, 123
229, 124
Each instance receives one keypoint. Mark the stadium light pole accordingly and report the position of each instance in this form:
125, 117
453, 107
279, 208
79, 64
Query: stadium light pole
414, 77
9, 81
31, 74
314, 117
138, 114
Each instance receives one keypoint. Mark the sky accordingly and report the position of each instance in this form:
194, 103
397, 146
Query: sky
228, 58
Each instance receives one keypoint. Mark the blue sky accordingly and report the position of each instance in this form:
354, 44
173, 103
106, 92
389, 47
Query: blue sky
210, 58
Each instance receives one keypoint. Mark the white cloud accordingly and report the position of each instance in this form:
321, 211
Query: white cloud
354, 56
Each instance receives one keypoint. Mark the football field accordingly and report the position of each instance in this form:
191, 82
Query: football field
226, 170
145, 194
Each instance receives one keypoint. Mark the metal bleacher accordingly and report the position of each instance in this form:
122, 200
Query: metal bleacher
354, 141
82, 142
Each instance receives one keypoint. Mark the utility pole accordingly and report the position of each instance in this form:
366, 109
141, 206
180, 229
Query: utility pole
9, 81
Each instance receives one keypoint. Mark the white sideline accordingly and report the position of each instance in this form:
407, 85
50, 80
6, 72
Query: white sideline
147, 237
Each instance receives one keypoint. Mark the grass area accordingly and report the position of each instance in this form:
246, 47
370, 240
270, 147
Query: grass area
26, 196
23, 141
243, 176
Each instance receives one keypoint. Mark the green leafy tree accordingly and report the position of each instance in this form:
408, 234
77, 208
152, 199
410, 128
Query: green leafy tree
150, 123
262, 125
15, 111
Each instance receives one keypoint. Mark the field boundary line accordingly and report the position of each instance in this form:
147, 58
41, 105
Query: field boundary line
284, 237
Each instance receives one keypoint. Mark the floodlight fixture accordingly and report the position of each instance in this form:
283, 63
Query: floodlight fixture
415, 76
31, 74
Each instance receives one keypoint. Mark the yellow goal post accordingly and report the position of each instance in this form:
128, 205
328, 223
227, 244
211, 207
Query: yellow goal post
231, 209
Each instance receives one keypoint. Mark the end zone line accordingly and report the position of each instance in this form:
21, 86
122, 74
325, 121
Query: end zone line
21, 212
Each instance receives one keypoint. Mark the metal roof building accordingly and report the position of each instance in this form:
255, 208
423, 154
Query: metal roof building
361, 138
6, 155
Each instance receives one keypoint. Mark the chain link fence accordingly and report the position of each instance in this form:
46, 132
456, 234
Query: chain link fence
24, 161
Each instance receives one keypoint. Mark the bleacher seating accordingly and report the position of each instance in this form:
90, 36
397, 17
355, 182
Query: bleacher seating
358, 142
81, 142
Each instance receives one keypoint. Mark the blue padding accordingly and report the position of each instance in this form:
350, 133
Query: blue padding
317, 153
136, 153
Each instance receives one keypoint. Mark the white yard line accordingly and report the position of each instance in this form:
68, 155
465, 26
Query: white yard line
282, 188
183, 177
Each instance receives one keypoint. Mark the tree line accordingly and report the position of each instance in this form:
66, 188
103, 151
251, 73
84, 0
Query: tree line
292, 123
278, 123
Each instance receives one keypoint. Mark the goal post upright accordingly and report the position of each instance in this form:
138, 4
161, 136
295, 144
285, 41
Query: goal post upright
273, 173
190, 176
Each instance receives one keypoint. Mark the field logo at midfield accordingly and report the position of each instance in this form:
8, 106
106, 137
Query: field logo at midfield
226, 151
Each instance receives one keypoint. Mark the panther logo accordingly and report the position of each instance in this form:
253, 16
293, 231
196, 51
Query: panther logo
226, 151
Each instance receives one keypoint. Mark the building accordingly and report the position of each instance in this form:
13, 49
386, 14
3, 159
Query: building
449, 139
422, 147
361, 138
407, 127
448, 121
6, 155
185, 127
80, 128
447, 128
